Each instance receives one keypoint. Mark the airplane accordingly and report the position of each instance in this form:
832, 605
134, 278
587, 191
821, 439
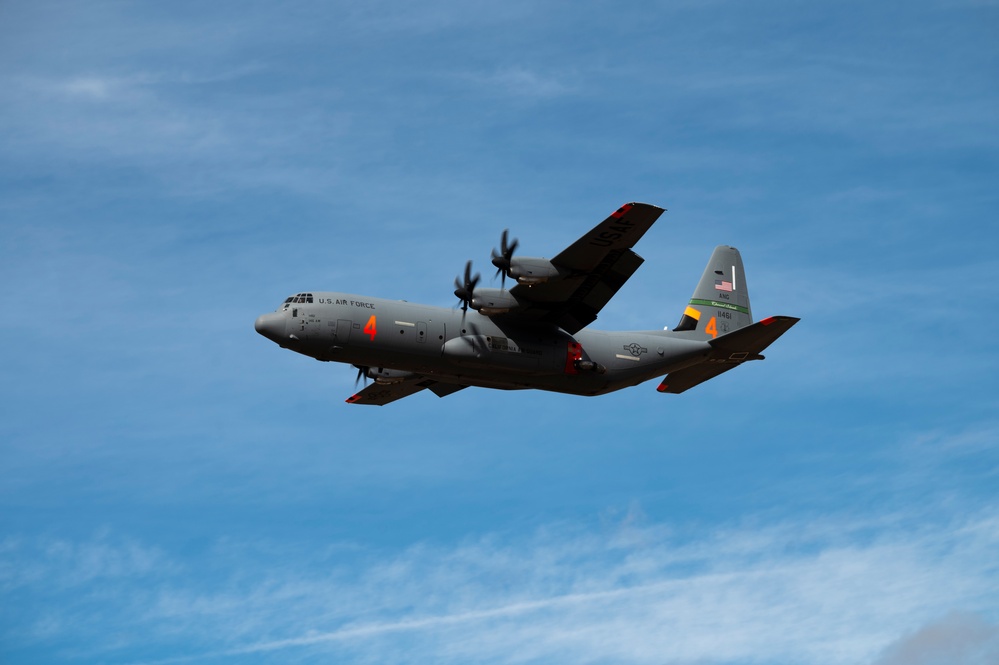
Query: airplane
534, 334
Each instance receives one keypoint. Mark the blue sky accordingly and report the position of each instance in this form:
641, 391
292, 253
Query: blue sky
177, 489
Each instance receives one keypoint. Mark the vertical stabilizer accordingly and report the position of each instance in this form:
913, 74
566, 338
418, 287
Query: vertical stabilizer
720, 303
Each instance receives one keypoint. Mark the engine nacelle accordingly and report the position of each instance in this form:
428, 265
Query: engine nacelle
528, 270
385, 376
493, 301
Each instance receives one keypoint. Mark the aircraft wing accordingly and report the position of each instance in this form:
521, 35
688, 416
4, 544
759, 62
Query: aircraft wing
378, 394
729, 351
591, 270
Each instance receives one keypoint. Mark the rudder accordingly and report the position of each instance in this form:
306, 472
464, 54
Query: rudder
720, 303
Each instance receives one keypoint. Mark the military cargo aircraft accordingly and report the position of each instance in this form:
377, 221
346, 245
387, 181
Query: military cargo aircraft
534, 334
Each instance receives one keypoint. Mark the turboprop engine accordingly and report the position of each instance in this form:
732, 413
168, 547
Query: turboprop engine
526, 270
493, 301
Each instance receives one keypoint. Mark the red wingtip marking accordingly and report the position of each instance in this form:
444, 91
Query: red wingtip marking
662, 387
352, 399
622, 211
767, 321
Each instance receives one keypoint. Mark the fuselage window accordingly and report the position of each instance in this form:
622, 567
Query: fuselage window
303, 298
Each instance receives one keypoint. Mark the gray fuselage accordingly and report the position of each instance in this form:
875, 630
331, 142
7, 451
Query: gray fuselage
396, 340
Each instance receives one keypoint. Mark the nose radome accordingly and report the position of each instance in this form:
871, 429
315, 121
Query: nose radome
270, 326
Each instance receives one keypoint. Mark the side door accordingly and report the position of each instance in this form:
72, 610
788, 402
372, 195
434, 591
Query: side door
341, 336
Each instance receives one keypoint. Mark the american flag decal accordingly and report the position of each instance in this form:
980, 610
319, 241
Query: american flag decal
722, 285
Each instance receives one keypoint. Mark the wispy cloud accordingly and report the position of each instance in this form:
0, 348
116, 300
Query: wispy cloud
61, 563
522, 82
826, 591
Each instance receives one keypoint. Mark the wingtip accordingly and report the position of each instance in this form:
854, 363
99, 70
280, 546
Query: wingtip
774, 319
633, 204
623, 210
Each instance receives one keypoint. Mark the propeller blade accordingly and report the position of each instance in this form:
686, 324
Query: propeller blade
475, 339
513, 247
466, 291
502, 258
471, 281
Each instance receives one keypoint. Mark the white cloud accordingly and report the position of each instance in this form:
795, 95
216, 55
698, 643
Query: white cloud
820, 592
60, 563
98, 88
524, 82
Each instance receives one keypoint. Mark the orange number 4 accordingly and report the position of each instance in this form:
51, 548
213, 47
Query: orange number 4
711, 328
370, 329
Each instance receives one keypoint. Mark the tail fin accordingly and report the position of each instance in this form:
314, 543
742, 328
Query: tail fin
720, 303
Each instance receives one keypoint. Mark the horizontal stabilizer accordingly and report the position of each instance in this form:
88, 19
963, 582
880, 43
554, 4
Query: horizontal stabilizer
729, 351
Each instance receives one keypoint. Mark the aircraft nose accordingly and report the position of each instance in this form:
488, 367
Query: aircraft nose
270, 326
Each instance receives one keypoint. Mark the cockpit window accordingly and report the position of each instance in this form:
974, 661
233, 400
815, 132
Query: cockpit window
299, 298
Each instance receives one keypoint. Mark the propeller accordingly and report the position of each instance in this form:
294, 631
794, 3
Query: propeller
501, 259
475, 339
465, 291
361, 372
